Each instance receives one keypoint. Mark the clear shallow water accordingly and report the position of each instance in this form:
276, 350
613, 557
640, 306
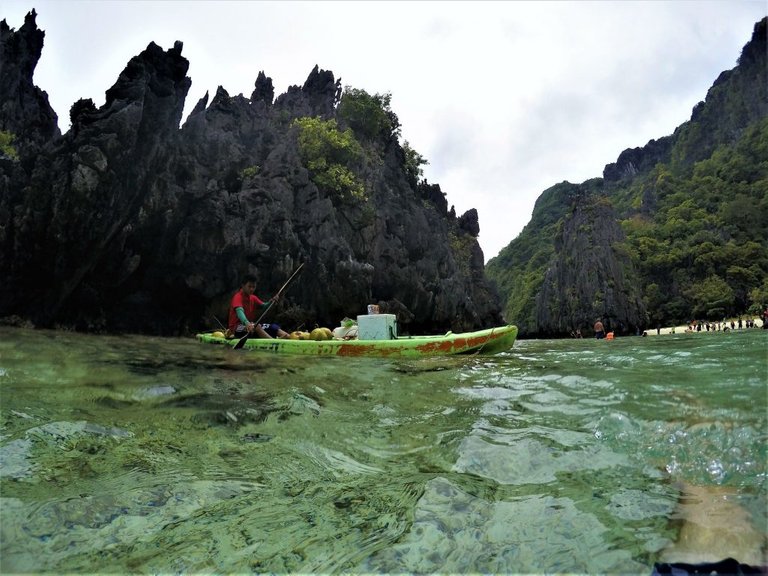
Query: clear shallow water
122, 454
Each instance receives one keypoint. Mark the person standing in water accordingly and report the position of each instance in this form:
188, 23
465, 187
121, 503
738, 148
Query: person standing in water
599, 330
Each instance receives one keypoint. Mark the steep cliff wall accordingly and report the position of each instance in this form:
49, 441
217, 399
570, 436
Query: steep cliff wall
690, 204
24, 107
737, 99
590, 277
127, 222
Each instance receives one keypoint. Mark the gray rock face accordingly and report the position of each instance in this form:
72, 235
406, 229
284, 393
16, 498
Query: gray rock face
127, 222
554, 281
722, 117
24, 108
633, 161
590, 277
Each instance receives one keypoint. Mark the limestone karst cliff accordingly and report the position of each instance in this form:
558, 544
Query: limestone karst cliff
128, 222
673, 231
591, 277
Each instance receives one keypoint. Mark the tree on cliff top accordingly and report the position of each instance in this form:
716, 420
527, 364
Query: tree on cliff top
370, 116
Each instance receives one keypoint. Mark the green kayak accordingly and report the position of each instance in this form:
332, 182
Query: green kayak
486, 342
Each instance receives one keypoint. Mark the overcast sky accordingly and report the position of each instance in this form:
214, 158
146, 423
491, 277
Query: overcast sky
504, 99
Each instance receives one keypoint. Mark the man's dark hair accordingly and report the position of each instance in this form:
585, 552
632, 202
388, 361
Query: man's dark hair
248, 278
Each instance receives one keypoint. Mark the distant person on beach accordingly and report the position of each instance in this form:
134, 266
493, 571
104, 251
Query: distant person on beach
599, 330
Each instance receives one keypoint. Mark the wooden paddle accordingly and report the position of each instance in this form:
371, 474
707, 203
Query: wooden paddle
242, 341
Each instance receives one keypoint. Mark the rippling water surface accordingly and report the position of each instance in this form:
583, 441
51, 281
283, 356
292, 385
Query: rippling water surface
128, 454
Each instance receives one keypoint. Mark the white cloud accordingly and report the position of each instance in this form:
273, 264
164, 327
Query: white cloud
504, 99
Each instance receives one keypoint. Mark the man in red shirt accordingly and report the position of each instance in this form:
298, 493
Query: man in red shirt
242, 312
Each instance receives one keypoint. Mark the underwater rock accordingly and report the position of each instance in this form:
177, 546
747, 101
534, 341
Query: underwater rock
714, 527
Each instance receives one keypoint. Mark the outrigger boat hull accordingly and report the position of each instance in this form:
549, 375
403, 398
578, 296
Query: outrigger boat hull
485, 342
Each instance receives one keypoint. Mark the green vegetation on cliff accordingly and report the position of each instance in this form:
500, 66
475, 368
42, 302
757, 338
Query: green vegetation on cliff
520, 267
704, 251
329, 155
693, 207
6, 144
333, 150
370, 116
696, 236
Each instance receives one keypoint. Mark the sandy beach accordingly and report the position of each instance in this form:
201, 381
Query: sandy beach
683, 328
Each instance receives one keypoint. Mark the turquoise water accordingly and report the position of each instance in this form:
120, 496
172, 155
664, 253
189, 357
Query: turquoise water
122, 454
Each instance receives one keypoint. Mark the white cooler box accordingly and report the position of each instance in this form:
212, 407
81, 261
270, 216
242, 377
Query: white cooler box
377, 327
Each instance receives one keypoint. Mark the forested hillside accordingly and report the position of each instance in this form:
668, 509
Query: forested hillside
692, 208
704, 252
